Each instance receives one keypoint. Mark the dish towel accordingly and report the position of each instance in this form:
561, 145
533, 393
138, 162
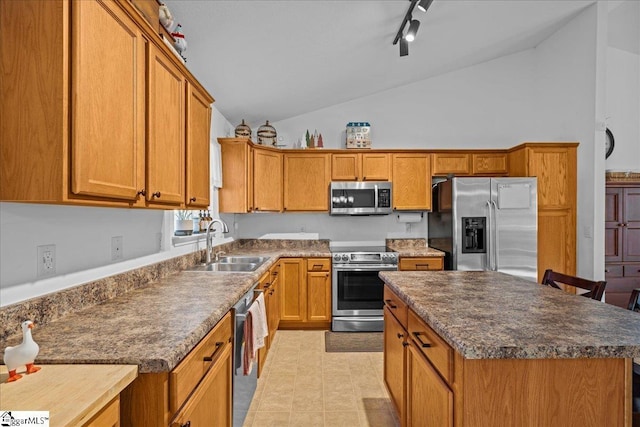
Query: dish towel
216, 164
255, 331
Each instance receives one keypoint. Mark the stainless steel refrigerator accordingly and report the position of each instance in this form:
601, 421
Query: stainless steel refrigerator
487, 224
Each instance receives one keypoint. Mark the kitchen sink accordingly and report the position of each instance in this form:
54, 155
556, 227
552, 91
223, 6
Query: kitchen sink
242, 259
225, 266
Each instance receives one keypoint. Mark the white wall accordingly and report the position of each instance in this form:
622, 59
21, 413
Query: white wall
485, 105
623, 85
369, 228
82, 236
565, 87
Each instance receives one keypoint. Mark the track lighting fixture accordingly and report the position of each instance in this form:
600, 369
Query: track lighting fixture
423, 5
404, 47
412, 31
414, 24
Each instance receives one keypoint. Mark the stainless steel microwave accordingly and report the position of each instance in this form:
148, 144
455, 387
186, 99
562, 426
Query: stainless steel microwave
360, 198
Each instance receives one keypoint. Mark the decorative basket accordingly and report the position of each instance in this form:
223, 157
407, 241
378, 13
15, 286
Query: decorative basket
358, 135
622, 176
267, 134
243, 130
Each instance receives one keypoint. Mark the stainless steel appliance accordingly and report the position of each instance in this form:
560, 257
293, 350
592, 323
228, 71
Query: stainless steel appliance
360, 198
244, 386
357, 291
487, 224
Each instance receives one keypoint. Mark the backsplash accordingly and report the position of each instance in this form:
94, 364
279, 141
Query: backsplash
47, 308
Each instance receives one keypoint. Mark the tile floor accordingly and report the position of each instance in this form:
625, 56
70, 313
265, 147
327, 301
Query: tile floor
302, 385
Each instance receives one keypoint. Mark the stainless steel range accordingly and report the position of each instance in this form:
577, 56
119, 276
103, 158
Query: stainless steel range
357, 291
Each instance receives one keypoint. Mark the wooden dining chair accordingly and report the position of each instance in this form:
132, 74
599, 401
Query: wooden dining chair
634, 304
595, 289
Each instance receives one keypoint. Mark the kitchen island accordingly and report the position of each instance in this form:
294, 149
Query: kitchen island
489, 349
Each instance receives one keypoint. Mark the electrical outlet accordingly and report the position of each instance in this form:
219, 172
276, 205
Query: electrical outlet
116, 248
159, 241
46, 260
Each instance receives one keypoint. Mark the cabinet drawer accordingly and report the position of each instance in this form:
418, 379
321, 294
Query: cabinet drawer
632, 270
108, 416
318, 264
612, 271
416, 264
396, 306
439, 353
185, 376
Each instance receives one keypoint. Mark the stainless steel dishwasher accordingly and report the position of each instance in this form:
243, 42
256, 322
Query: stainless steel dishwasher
244, 386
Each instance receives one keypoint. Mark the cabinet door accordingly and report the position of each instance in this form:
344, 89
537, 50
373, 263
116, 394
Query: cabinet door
454, 163
489, 164
613, 228
556, 241
165, 136
236, 194
109, 416
631, 232
293, 290
306, 182
210, 404
411, 182
429, 399
318, 296
554, 168
267, 180
394, 361
376, 167
198, 140
345, 167
107, 102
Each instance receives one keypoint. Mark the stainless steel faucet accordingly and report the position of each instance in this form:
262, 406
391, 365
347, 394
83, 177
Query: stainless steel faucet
225, 229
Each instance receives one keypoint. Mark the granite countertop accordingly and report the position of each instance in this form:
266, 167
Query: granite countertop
418, 252
154, 326
491, 315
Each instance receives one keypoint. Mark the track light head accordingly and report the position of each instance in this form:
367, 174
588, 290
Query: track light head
423, 5
404, 47
412, 31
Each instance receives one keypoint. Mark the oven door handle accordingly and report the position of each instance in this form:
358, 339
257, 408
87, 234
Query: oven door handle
366, 268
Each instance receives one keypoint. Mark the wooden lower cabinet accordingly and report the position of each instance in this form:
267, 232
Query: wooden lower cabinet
306, 293
421, 264
270, 284
395, 356
445, 389
198, 390
429, 398
211, 402
109, 416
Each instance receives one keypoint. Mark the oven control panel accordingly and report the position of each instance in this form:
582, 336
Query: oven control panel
365, 258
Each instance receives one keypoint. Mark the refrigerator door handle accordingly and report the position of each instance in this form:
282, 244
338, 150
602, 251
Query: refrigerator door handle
490, 259
495, 235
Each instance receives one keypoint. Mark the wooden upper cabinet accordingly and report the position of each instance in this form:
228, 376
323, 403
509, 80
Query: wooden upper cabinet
198, 147
267, 180
450, 163
236, 194
489, 164
166, 136
94, 119
306, 181
360, 167
411, 181
554, 166
107, 135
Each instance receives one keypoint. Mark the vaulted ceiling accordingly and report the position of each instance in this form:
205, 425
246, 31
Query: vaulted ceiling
278, 59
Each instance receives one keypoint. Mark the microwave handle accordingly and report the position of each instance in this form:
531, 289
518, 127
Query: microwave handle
375, 195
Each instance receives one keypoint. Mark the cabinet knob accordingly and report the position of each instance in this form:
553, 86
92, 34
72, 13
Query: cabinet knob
156, 194
187, 424
142, 192
193, 199
404, 343
606, 270
400, 335
256, 208
364, 178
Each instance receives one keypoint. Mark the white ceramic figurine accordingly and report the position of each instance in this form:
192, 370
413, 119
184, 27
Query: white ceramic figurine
23, 354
